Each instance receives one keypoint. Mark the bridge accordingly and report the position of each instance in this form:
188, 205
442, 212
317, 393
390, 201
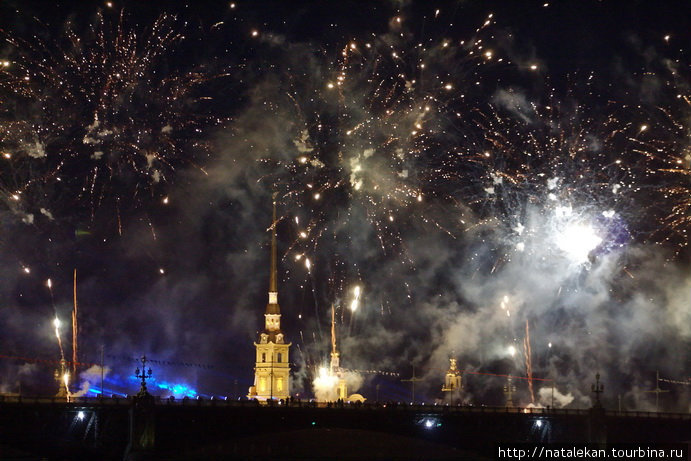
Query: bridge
154, 428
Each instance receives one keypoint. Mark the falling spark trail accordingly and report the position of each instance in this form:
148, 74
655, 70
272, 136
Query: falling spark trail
354, 305
528, 361
308, 265
153, 230
75, 329
56, 321
117, 211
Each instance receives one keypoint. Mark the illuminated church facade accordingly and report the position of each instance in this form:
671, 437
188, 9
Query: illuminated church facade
272, 361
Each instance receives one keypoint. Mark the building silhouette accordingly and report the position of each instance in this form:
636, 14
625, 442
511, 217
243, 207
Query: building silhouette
272, 362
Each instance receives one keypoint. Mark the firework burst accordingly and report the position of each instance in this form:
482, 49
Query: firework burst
96, 116
378, 140
553, 177
667, 153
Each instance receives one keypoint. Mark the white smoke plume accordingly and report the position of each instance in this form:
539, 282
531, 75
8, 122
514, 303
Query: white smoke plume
91, 377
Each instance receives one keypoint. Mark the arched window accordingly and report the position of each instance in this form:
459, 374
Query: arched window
278, 359
263, 356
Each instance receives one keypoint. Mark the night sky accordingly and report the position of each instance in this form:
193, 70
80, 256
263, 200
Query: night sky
479, 172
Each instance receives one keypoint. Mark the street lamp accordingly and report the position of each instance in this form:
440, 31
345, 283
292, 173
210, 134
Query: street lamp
144, 375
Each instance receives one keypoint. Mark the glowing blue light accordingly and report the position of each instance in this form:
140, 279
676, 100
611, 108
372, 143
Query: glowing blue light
430, 423
178, 390
106, 392
128, 383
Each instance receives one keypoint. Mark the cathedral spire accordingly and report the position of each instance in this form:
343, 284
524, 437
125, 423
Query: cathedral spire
273, 284
335, 361
333, 329
272, 307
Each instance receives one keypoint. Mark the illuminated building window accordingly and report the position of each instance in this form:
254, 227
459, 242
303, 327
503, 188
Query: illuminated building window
279, 384
263, 356
262, 384
279, 358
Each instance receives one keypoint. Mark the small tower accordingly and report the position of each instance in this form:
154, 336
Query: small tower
452, 382
272, 366
335, 369
509, 389
62, 377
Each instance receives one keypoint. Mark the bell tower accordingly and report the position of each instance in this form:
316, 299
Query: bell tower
335, 366
272, 365
452, 382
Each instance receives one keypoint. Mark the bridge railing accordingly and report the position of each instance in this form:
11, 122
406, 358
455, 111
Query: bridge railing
348, 406
75, 401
